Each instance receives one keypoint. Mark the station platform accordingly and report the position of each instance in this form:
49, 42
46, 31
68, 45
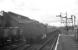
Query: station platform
66, 42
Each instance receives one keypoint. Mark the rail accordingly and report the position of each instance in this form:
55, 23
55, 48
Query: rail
52, 41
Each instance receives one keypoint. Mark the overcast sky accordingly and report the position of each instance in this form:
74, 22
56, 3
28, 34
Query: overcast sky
42, 10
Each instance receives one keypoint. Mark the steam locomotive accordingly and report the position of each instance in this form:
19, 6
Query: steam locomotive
14, 27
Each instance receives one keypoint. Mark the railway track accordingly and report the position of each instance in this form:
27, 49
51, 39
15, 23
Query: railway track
49, 44
15, 46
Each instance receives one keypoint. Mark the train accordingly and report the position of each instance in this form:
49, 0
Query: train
15, 27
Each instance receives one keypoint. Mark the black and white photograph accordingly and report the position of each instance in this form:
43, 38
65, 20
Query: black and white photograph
38, 24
